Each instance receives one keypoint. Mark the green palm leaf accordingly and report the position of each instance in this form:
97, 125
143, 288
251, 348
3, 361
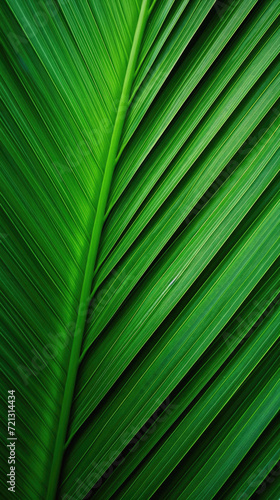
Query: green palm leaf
140, 276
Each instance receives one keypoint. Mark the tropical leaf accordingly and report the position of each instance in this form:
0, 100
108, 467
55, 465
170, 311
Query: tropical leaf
140, 276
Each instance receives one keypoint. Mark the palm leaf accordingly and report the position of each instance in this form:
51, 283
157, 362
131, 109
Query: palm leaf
140, 273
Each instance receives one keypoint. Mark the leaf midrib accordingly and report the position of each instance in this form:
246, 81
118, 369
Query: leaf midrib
92, 254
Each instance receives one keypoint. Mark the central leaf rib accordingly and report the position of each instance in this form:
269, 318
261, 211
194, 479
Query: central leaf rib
92, 254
